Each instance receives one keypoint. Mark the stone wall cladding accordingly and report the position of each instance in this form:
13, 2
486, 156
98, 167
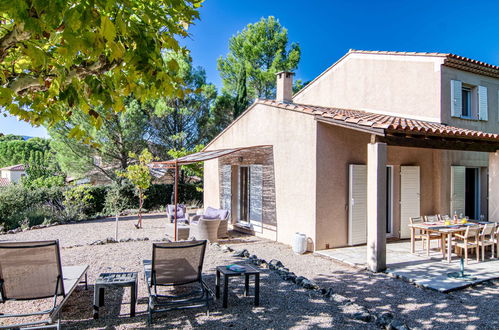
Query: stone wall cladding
258, 156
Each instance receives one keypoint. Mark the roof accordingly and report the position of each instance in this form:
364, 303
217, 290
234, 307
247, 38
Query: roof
450, 60
18, 167
364, 119
4, 182
200, 157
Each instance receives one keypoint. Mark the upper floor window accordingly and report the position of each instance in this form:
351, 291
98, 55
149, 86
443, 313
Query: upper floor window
468, 102
467, 97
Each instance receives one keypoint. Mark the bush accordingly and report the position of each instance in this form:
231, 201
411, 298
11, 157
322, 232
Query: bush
18, 203
25, 206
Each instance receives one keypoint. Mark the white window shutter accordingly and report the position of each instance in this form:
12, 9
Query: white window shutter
410, 198
357, 207
457, 189
483, 107
456, 95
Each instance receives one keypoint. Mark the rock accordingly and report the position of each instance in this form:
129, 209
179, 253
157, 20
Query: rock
246, 254
340, 299
110, 240
274, 264
241, 253
328, 293
309, 285
397, 325
384, 319
253, 256
289, 277
363, 316
282, 270
225, 248
146, 238
300, 279
215, 245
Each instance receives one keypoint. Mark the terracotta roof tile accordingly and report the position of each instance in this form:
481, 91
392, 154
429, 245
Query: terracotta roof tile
387, 122
18, 167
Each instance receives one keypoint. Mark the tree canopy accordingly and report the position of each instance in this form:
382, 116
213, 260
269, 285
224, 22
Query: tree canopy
61, 56
119, 135
183, 122
255, 55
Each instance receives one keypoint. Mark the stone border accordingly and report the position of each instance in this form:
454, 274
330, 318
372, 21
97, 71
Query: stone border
385, 320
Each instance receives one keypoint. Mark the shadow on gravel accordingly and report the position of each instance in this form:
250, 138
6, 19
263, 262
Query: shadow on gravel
282, 305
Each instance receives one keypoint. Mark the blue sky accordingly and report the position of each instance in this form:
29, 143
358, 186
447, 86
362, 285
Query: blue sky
326, 30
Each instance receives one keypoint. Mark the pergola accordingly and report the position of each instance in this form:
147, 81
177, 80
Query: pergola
197, 157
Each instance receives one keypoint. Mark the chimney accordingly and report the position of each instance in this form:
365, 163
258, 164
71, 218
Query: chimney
284, 90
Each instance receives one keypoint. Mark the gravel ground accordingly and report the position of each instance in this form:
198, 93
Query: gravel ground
283, 304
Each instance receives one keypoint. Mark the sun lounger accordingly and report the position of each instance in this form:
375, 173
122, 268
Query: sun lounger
33, 270
176, 265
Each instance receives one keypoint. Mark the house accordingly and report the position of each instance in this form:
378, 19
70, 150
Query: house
11, 174
375, 139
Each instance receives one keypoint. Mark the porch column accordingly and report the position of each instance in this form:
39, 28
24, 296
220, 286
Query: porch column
376, 206
494, 186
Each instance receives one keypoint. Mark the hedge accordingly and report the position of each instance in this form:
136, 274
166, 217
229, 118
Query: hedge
21, 206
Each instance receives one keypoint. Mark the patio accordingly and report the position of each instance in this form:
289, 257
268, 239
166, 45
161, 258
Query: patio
426, 271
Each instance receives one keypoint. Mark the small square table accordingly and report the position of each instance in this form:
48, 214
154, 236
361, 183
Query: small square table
249, 271
108, 280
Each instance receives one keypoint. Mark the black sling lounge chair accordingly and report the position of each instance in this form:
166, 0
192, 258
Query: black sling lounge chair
176, 265
33, 270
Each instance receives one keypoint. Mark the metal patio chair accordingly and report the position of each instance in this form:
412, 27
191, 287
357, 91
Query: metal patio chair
176, 265
32, 271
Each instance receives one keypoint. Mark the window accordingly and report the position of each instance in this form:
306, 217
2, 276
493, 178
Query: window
466, 102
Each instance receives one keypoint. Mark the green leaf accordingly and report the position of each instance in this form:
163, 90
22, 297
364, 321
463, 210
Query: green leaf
107, 28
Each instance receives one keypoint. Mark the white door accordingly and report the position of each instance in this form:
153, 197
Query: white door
457, 189
409, 197
357, 210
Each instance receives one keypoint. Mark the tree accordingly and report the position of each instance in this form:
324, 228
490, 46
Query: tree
120, 134
257, 54
58, 57
181, 122
140, 176
116, 202
35, 154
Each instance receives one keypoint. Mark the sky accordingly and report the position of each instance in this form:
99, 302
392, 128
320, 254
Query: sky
327, 29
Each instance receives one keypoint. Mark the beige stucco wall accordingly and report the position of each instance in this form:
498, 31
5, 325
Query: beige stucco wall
404, 85
338, 147
12, 176
492, 84
293, 137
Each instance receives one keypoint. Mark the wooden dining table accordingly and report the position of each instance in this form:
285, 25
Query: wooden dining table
445, 230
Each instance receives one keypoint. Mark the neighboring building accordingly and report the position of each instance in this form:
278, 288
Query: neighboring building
375, 139
11, 174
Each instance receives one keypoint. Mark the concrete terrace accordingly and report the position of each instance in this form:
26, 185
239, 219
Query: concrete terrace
427, 271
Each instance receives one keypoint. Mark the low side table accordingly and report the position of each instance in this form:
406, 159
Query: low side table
250, 271
109, 280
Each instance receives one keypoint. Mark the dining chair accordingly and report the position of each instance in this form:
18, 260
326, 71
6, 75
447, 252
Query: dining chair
444, 217
486, 238
431, 218
424, 235
468, 240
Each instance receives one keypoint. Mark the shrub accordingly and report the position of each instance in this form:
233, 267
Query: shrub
29, 206
77, 202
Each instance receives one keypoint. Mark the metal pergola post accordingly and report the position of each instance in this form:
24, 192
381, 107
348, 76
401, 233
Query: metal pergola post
175, 201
